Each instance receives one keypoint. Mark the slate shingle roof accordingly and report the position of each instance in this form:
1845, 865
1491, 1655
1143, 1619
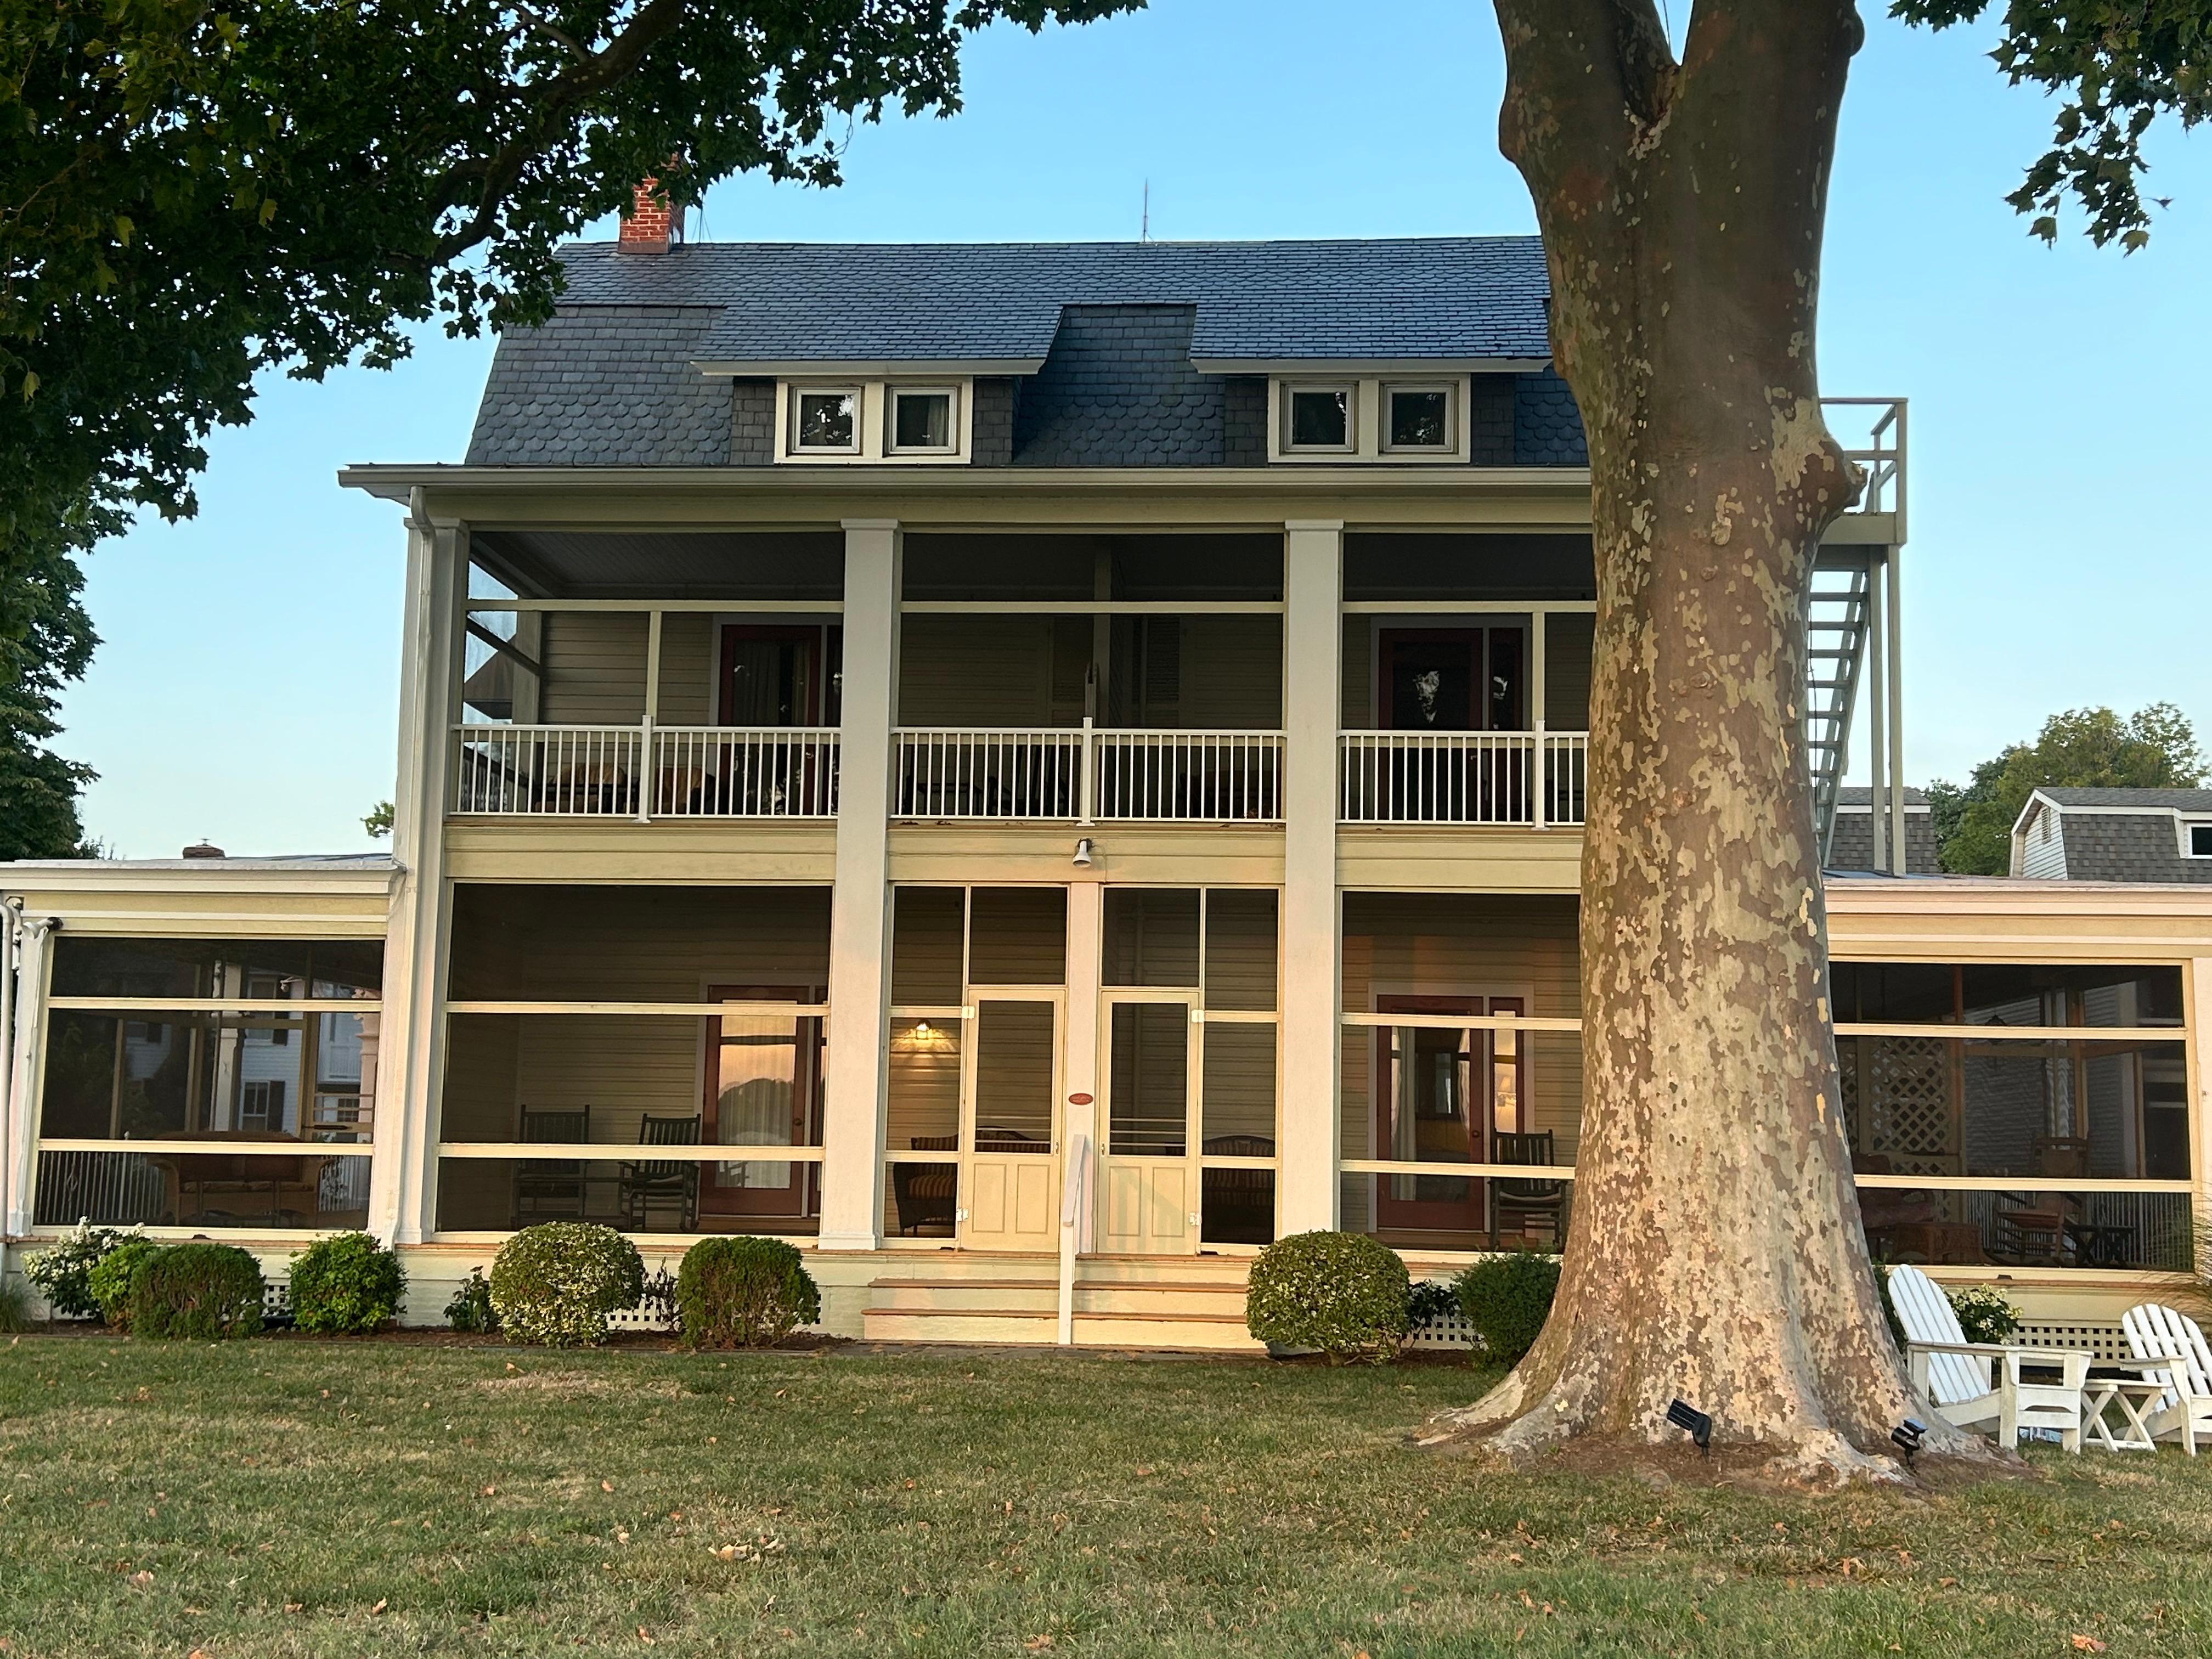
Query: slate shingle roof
1463, 296
2155, 800
1118, 334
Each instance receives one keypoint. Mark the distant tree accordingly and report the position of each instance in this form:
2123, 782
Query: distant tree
377, 819
2153, 748
191, 195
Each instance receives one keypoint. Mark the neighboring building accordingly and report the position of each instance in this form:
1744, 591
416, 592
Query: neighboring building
2115, 835
1029, 771
1851, 840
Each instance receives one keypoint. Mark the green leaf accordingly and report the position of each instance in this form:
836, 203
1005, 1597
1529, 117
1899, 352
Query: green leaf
122, 228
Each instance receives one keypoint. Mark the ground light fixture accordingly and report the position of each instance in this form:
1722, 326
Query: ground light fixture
1907, 1436
1698, 1425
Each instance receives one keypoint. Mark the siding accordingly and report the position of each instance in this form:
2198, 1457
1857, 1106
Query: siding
1567, 642
976, 670
594, 665
2042, 851
1232, 673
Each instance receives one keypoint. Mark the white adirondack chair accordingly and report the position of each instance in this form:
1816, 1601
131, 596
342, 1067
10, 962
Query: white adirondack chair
1973, 1385
2184, 1412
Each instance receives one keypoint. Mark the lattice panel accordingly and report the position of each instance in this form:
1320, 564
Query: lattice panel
1896, 1101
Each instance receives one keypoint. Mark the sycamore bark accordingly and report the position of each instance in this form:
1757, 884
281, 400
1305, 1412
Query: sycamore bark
1717, 1252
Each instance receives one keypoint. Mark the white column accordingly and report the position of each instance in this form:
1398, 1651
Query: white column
856, 1075
22, 1062
1877, 721
412, 1033
1894, 658
2196, 1009
1087, 913
1312, 945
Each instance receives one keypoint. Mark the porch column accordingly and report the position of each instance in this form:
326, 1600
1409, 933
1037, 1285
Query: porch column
2197, 1013
403, 1185
857, 1074
1312, 948
21, 1060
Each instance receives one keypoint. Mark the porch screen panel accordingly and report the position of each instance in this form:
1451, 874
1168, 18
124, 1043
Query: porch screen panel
1152, 936
1149, 1079
1017, 936
579, 943
1236, 1091
1241, 971
927, 925
1015, 1056
923, 1112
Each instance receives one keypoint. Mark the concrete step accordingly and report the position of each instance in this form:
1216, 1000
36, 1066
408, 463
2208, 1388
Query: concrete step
959, 1325
1192, 1332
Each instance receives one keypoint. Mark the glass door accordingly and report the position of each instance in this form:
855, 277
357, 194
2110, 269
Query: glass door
1149, 1190
763, 1089
1010, 1124
1445, 1094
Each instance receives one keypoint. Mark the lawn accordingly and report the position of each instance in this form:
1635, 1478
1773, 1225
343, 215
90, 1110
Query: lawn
288, 1497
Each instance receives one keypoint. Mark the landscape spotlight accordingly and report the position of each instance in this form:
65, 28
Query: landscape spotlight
1698, 1425
1906, 1438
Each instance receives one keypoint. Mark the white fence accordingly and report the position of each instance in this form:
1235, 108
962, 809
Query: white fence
602, 771
1084, 775
1536, 779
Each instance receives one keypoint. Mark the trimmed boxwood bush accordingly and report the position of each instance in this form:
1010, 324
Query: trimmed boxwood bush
200, 1292
1507, 1298
744, 1293
555, 1283
348, 1282
108, 1284
1341, 1294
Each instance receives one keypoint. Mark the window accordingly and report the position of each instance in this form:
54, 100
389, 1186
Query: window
1318, 417
826, 422
922, 421
2200, 841
1418, 417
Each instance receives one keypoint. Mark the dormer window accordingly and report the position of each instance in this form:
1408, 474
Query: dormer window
873, 422
1319, 418
2200, 841
826, 421
1418, 419
924, 420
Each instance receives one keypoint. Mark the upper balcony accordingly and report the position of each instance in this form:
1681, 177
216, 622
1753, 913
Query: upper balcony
1070, 679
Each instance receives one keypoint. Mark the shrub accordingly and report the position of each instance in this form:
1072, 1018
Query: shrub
201, 1292
1507, 1298
471, 1308
744, 1293
1985, 1314
1431, 1300
15, 1307
62, 1273
348, 1282
1342, 1294
111, 1277
556, 1283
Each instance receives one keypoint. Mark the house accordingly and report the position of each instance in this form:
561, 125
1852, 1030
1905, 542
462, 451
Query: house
1031, 771
2115, 835
1852, 843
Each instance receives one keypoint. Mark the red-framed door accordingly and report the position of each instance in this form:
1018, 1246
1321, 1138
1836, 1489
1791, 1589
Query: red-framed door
763, 1089
1440, 1093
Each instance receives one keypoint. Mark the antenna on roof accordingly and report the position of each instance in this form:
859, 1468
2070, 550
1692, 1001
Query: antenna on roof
1145, 227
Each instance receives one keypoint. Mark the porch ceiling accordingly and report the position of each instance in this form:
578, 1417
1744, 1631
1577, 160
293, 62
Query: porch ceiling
682, 564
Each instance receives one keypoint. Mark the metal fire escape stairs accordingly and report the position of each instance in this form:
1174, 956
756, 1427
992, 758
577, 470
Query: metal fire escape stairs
1836, 639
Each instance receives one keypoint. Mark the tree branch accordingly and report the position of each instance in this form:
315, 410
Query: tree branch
1585, 80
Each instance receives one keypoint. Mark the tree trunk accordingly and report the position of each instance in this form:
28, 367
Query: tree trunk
1716, 1253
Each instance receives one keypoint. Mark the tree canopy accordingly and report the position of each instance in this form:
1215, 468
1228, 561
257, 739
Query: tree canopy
190, 196
2153, 748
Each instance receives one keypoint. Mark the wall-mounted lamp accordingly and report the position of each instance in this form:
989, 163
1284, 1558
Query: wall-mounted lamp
1082, 859
921, 1031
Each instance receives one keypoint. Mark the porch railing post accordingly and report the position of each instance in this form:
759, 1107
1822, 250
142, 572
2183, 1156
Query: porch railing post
1087, 772
647, 773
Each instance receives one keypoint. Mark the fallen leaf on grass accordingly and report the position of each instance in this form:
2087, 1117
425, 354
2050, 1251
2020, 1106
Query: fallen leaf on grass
380, 1605
141, 1578
645, 1636
607, 1485
1037, 1644
2087, 1644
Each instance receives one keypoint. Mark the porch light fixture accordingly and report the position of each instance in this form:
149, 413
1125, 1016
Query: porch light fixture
1906, 1438
1082, 859
1698, 1425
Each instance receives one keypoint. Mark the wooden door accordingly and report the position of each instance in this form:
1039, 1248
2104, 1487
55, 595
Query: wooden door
1149, 1200
773, 676
764, 1088
1010, 1125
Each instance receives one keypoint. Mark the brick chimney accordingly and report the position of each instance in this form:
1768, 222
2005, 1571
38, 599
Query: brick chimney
653, 223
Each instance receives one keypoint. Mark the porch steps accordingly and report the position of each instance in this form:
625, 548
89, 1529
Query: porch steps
1172, 1303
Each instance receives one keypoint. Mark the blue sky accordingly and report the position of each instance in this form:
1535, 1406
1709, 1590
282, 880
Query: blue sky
247, 688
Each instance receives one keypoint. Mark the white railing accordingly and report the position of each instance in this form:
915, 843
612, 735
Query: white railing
1009, 772
1536, 779
1188, 777
1871, 432
1084, 775
601, 771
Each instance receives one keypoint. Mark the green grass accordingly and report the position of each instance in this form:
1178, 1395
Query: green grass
290, 1497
